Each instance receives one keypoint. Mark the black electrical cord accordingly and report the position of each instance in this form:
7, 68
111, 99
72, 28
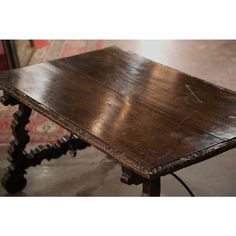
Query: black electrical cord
184, 184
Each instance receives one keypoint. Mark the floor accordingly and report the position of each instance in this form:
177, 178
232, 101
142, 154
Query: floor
214, 61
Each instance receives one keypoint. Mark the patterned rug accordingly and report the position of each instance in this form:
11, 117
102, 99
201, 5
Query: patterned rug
40, 128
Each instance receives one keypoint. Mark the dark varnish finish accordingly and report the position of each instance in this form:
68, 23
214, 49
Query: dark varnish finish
151, 118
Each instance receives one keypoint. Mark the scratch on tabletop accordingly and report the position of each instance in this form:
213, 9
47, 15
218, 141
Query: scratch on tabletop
186, 118
193, 94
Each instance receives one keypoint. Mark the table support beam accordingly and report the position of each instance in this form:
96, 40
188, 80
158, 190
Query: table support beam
150, 187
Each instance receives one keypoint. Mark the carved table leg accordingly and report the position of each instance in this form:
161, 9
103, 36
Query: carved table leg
13, 179
152, 187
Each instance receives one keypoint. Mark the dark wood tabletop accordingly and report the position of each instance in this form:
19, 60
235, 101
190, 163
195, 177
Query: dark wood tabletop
151, 118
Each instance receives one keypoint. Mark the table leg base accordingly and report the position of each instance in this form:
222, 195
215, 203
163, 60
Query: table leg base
13, 179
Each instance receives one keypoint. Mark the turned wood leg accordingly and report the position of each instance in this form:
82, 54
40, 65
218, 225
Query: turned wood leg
13, 179
152, 187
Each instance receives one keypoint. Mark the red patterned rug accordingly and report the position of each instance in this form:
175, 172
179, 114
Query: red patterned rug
41, 129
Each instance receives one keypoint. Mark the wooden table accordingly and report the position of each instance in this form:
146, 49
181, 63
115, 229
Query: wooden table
152, 119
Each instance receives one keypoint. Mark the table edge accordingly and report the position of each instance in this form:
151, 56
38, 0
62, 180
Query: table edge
195, 157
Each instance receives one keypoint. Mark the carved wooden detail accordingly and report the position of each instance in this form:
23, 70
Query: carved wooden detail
195, 157
54, 151
8, 100
13, 180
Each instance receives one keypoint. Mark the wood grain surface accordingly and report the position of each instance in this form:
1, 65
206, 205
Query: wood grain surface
151, 118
